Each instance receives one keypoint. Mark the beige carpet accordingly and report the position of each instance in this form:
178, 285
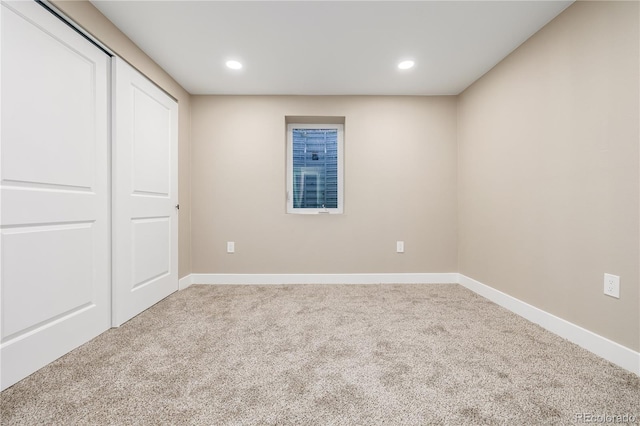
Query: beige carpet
324, 355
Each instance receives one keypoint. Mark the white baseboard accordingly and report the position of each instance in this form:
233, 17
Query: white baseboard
601, 346
185, 282
417, 278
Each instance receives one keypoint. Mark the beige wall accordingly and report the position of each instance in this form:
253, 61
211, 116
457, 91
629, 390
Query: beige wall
86, 15
549, 170
400, 184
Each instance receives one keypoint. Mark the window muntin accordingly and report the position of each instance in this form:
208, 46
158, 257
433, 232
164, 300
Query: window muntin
314, 173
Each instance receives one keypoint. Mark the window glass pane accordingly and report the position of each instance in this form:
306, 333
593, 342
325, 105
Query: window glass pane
315, 168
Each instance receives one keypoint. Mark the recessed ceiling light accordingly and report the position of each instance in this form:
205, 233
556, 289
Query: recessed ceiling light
234, 65
405, 65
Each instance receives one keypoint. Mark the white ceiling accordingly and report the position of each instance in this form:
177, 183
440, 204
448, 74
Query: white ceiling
329, 47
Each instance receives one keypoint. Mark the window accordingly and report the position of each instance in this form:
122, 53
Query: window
314, 168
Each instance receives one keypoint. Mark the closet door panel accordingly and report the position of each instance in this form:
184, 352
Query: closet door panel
54, 224
145, 170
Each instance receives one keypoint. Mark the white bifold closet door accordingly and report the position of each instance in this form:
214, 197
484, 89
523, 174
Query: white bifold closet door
145, 198
54, 223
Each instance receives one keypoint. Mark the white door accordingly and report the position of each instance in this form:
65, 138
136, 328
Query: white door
54, 223
145, 186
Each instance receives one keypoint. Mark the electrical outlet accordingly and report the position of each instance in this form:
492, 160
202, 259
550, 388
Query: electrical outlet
399, 246
612, 285
231, 247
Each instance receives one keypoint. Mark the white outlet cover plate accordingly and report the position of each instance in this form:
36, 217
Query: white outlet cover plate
612, 285
400, 246
231, 247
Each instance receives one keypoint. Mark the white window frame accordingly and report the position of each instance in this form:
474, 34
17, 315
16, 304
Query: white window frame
298, 210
